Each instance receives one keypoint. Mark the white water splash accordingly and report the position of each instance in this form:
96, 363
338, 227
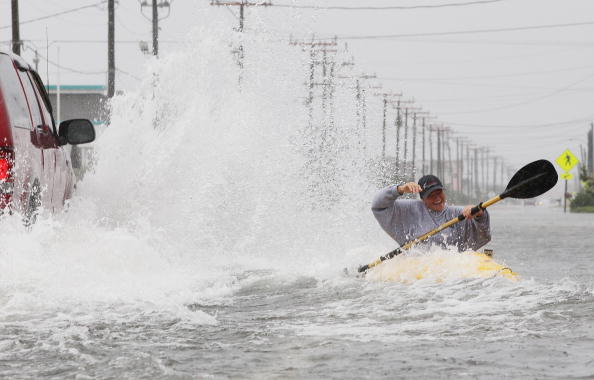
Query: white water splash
196, 180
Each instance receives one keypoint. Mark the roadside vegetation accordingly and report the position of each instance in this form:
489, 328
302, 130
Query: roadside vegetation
584, 200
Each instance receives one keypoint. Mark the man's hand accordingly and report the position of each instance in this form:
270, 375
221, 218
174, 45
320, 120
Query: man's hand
410, 187
468, 215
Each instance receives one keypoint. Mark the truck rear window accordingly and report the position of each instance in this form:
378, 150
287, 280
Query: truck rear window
13, 95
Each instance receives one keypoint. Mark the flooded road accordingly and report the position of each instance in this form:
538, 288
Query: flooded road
209, 241
294, 323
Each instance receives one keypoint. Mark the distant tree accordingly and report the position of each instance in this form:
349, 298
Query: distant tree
585, 198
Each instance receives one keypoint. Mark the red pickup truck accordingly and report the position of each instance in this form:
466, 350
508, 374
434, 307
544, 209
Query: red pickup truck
35, 169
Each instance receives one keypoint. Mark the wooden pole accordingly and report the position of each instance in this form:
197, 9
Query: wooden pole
16, 36
110, 49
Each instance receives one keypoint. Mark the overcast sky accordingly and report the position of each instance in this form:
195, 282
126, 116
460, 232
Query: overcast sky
526, 92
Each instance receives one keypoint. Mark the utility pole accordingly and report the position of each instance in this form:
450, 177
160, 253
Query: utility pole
482, 170
463, 165
424, 168
361, 111
385, 102
487, 164
310, 94
450, 162
16, 36
241, 4
404, 155
447, 160
322, 135
154, 19
476, 176
441, 147
327, 83
414, 145
328, 89
495, 173
502, 173
398, 125
460, 167
321, 157
314, 48
469, 170
439, 153
431, 149
486, 169
398, 122
435, 160
414, 142
385, 96
591, 150
110, 48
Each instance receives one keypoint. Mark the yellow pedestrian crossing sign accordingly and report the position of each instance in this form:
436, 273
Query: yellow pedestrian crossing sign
566, 176
567, 160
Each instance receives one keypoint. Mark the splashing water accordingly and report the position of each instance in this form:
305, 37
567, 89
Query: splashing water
213, 231
195, 178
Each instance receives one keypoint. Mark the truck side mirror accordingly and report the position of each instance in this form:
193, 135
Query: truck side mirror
76, 131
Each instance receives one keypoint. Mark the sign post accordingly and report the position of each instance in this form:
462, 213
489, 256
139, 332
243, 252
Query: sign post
566, 161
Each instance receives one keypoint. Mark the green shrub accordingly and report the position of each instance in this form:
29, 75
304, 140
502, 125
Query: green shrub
584, 200
583, 209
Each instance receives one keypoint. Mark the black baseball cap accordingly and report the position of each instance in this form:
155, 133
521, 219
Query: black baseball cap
428, 184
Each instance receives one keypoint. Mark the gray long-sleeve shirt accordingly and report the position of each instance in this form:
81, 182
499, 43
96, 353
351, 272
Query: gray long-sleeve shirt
407, 219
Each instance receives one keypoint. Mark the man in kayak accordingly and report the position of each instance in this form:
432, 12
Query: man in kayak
407, 219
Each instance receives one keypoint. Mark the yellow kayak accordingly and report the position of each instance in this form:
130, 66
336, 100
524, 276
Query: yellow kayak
439, 266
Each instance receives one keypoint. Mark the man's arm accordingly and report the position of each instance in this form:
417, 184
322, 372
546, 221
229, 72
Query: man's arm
477, 231
385, 198
384, 206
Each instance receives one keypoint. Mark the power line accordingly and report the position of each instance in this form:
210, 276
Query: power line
55, 14
69, 68
233, 14
528, 101
471, 98
544, 125
127, 73
97, 41
103, 72
376, 8
521, 74
555, 44
537, 138
489, 85
122, 24
457, 32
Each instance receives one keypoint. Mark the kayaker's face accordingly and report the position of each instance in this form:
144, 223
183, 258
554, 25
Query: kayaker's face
436, 200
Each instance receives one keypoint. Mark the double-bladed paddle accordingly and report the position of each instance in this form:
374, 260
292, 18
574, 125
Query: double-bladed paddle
532, 180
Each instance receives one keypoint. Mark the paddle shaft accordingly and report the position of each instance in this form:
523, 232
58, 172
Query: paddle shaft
449, 223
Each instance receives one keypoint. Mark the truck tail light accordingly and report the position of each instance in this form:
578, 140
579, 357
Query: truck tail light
6, 176
6, 165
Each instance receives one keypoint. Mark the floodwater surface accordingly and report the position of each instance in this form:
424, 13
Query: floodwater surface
288, 323
210, 241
